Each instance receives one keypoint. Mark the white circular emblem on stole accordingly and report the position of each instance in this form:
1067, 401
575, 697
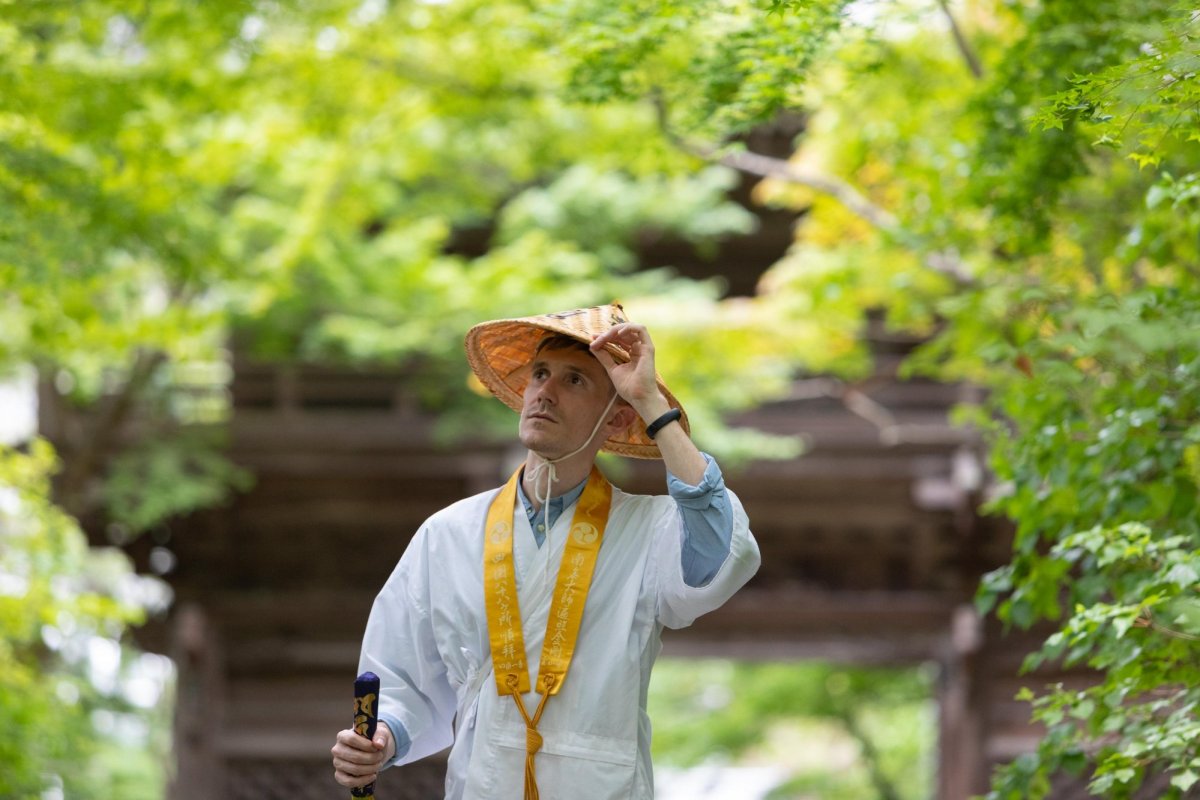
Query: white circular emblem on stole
584, 532
499, 532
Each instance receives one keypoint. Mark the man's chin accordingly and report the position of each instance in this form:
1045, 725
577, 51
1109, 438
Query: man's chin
541, 445
532, 440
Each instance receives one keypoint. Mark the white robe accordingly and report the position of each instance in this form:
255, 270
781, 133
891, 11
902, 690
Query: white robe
427, 640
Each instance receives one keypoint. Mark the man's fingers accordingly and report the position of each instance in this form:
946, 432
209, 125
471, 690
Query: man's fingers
356, 755
633, 339
353, 781
625, 331
355, 767
605, 358
355, 741
370, 758
598, 344
346, 755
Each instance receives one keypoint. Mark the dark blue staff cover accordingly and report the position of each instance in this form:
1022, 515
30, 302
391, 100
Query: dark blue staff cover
366, 719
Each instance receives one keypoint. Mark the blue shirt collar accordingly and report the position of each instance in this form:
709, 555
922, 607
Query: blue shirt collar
553, 508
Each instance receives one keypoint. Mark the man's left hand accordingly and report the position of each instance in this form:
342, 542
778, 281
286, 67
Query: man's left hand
635, 379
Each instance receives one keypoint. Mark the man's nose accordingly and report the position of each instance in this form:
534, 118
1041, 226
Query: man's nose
546, 392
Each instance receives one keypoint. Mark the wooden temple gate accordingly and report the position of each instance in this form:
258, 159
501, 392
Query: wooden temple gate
871, 553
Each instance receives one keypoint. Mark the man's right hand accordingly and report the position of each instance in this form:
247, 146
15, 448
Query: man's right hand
357, 759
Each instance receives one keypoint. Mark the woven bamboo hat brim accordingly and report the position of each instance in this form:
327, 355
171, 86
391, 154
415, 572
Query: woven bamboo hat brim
500, 353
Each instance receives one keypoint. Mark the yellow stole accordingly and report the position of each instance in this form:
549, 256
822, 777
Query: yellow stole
566, 609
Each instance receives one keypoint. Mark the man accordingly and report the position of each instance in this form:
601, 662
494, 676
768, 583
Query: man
520, 626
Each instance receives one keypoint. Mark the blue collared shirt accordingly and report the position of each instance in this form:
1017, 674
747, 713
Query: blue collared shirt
705, 509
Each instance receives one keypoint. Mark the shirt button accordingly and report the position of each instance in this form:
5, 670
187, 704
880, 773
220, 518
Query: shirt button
541, 528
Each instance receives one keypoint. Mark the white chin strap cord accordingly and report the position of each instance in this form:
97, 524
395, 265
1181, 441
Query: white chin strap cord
546, 466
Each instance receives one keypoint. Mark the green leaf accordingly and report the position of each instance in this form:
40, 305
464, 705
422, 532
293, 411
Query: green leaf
1083, 710
1185, 780
1185, 576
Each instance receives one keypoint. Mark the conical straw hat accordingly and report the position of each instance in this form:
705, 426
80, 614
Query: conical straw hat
500, 352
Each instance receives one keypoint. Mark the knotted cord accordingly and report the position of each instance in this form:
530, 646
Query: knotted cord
551, 473
533, 739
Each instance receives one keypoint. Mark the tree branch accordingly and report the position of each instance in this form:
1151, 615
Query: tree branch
883, 785
420, 71
1146, 620
964, 46
83, 464
844, 193
855, 201
854, 397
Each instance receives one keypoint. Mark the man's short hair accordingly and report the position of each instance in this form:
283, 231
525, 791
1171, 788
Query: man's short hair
558, 341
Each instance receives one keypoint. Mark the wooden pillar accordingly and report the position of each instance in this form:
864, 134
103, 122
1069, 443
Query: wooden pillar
198, 697
961, 758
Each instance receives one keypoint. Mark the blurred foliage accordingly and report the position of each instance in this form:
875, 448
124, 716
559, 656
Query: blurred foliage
1031, 204
348, 181
1060, 187
354, 181
156, 480
841, 731
713, 67
62, 604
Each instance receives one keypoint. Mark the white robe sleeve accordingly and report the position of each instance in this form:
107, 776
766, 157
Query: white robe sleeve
679, 604
399, 646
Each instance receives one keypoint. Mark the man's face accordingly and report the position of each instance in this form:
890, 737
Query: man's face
568, 389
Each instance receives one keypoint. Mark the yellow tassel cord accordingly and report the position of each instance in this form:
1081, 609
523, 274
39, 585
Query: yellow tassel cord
533, 739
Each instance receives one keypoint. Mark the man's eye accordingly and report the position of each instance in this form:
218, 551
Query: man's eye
539, 373
577, 380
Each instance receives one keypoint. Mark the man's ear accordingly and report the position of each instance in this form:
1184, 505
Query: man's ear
622, 417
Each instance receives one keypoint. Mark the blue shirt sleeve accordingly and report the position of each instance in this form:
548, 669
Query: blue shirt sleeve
707, 523
399, 735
